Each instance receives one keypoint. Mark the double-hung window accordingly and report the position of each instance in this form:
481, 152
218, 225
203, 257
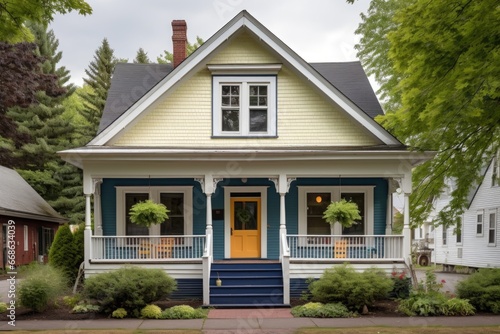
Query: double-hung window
244, 100
244, 106
492, 227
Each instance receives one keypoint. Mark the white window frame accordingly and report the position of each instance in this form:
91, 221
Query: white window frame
444, 237
495, 173
154, 194
26, 237
460, 230
368, 191
244, 82
494, 228
480, 212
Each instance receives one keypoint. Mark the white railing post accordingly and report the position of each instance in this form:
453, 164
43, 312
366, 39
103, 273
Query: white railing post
285, 263
206, 262
407, 231
87, 234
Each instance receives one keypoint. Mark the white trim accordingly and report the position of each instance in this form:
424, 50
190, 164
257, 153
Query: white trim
154, 195
244, 108
368, 190
186, 69
228, 190
242, 69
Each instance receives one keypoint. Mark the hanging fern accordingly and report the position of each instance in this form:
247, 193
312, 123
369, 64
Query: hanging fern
148, 213
344, 212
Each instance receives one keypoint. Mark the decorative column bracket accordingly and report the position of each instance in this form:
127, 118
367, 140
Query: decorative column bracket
276, 182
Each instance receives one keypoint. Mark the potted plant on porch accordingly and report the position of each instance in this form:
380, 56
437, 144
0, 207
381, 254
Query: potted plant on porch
148, 213
343, 212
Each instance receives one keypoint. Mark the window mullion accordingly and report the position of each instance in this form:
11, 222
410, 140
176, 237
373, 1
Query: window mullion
244, 109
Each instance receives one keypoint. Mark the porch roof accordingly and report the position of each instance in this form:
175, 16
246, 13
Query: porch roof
384, 152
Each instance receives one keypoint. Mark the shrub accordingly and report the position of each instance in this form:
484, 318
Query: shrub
119, 313
71, 301
343, 284
482, 289
3, 307
151, 312
401, 285
62, 252
130, 288
428, 300
79, 248
85, 308
319, 310
41, 285
182, 312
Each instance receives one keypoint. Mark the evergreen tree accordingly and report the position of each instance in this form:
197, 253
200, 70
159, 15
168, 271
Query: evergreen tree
50, 130
141, 57
62, 252
99, 75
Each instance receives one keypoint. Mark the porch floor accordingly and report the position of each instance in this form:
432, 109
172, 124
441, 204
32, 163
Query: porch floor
246, 261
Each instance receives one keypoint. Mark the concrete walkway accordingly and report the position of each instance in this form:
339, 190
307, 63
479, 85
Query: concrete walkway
253, 321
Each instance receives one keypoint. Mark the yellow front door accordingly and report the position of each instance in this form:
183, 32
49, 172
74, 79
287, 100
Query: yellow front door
245, 227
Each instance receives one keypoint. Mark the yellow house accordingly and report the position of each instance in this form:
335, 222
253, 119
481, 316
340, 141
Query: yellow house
246, 144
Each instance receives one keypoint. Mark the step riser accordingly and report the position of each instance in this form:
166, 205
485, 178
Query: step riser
250, 300
244, 274
228, 281
221, 290
240, 266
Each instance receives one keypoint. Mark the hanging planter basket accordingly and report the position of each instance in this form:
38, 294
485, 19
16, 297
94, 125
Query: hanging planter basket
148, 213
344, 212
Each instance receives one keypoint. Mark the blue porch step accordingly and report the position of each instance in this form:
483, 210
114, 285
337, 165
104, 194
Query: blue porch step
246, 285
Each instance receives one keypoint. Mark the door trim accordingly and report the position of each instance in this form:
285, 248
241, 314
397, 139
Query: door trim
228, 190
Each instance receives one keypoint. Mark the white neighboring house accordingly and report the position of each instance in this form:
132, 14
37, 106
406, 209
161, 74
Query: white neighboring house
476, 245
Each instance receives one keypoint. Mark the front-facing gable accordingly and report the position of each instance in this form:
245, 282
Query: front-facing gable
178, 111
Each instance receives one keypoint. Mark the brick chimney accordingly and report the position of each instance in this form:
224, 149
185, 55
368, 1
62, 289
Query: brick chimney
179, 40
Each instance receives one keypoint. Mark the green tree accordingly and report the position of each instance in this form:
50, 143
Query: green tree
99, 80
168, 57
62, 252
142, 57
438, 64
15, 13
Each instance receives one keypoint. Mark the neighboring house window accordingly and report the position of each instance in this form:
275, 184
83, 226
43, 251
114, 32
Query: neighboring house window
495, 176
244, 106
313, 201
26, 237
46, 237
459, 233
178, 199
445, 236
479, 224
492, 227
316, 205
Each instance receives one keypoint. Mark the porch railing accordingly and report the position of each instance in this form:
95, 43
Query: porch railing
147, 248
346, 248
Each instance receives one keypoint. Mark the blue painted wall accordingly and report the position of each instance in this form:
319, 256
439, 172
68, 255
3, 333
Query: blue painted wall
108, 199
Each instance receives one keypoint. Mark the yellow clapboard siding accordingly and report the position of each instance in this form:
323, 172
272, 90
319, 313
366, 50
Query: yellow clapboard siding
305, 118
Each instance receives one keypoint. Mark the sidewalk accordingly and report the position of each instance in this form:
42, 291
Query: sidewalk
253, 321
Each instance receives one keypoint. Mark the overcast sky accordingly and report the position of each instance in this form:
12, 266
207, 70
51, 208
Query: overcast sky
318, 30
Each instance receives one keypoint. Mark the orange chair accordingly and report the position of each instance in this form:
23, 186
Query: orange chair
165, 247
340, 250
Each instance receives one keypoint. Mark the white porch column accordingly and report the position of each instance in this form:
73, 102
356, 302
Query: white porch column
97, 206
406, 230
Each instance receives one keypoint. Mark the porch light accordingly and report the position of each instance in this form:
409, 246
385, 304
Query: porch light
319, 199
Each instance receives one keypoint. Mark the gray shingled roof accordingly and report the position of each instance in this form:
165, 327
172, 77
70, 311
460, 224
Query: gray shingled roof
351, 80
131, 81
17, 197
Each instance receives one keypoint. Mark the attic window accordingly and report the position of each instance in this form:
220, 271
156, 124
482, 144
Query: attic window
244, 100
